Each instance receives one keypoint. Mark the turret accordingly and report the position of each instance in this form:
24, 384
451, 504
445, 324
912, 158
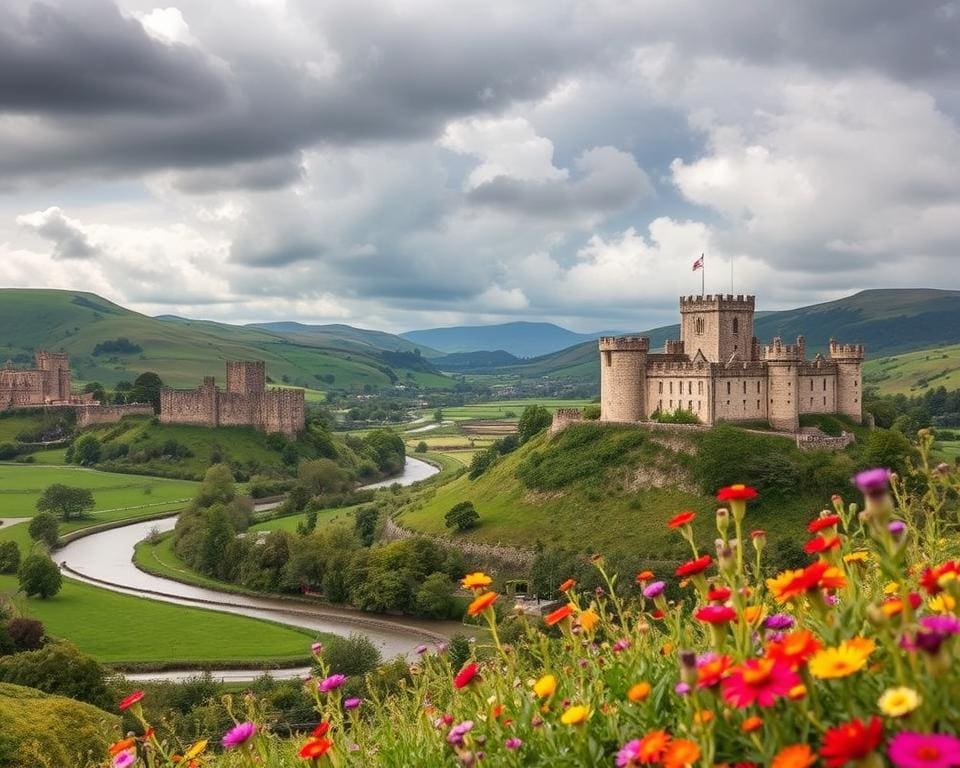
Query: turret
783, 360
849, 360
623, 377
719, 326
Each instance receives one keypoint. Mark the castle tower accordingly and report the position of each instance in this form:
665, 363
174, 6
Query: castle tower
849, 360
783, 366
718, 326
245, 377
623, 377
56, 376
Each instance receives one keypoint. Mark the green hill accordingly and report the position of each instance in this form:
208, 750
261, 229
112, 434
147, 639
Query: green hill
912, 373
184, 351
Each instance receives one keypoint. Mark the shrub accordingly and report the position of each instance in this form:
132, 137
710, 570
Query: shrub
9, 557
86, 450
58, 668
39, 576
679, 416
462, 516
422, 447
533, 420
354, 655
45, 528
434, 598
27, 634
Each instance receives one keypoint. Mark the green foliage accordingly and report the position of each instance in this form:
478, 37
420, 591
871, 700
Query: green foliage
679, 416
86, 450
26, 634
533, 420
434, 598
58, 668
65, 502
146, 389
422, 447
462, 516
888, 448
592, 412
459, 651
322, 476
9, 557
354, 655
39, 576
386, 449
481, 461
217, 486
438, 415
365, 524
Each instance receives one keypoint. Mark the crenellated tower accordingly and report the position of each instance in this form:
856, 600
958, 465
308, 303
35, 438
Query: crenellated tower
719, 326
783, 368
849, 360
623, 377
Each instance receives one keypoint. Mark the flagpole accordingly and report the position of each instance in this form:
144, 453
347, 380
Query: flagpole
703, 276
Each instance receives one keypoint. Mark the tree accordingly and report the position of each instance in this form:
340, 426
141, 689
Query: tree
365, 524
9, 557
59, 668
146, 389
65, 502
218, 534
86, 450
438, 415
533, 420
887, 448
354, 655
217, 486
322, 476
40, 576
434, 598
462, 516
96, 389
422, 447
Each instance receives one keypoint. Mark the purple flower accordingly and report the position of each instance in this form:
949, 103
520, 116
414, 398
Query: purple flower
654, 589
944, 625
779, 621
629, 754
896, 528
458, 731
621, 645
124, 759
513, 743
421, 649
316, 649
352, 703
682, 688
873, 482
331, 683
238, 734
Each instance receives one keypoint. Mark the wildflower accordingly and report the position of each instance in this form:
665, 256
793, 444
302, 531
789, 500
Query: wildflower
872, 482
851, 741
702, 716
239, 734
682, 519
124, 759
352, 703
316, 648
719, 594
681, 688
545, 686
681, 753
944, 625
758, 681
654, 590
842, 661
315, 748
195, 750
331, 683
639, 692
459, 731
643, 576
588, 620
558, 615
649, 749
711, 669
779, 621
513, 743
924, 750
932, 579
794, 648
477, 580
123, 745
896, 528
481, 603
942, 603
567, 585
321, 730
860, 556
820, 575
132, 699
821, 523
737, 492
716, 614
794, 756
751, 724
575, 715
897, 702
819, 544
465, 675
693, 567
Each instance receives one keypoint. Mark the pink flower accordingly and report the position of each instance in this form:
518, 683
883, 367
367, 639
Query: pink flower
872, 482
654, 590
629, 754
238, 734
331, 683
924, 750
124, 759
759, 681
352, 703
513, 743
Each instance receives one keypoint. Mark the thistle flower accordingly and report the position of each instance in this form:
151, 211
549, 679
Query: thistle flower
654, 590
239, 734
331, 683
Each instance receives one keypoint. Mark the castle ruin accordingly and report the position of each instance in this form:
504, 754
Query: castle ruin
719, 371
246, 402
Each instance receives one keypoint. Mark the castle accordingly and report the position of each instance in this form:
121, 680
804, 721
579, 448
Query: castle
246, 402
720, 372
46, 384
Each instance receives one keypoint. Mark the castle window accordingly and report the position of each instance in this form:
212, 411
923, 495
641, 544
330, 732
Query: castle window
728, 387
824, 401
698, 406
736, 326
758, 405
671, 391
660, 405
606, 358
744, 405
698, 325
671, 405
824, 385
699, 387
744, 387
690, 405
689, 387
660, 387
811, 385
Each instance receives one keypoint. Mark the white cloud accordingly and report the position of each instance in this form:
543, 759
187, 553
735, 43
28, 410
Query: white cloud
167, 25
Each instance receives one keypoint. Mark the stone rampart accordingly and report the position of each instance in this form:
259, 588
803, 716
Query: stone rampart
564, 417
109, 414
813, 442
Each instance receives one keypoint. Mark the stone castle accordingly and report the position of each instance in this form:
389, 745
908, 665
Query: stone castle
246, 402
719, 371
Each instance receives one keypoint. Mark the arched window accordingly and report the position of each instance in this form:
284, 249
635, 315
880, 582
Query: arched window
736, 325
698, 325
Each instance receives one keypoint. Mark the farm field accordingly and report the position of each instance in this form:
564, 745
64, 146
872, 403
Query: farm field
504, 409
114, 494
912, 373
342, 516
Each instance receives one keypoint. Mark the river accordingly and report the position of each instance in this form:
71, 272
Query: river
105, 559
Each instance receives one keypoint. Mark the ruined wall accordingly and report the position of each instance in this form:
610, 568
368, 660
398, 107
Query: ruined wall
564, 417
190, 406
246, 376
109, 414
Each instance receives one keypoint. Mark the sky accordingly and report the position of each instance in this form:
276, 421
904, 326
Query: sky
416, 163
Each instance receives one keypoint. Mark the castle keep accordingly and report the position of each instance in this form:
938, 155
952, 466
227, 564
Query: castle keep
46, 384
246, 402
719, 371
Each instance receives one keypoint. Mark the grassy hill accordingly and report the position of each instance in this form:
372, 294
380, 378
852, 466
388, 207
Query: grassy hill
340, 336
912, 373
184, 351
523, 339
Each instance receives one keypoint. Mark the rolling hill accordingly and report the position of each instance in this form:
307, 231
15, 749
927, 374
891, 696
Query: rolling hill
182, 351
521, 339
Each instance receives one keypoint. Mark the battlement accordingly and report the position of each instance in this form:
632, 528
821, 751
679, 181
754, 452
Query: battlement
717, 301
840, 351
673, 347
780, 352
246, 376
624, 344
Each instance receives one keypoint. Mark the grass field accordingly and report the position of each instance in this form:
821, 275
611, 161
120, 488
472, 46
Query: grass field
912, 373
114, 494
500, 410
342, 516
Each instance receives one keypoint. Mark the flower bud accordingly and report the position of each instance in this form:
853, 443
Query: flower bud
723, 521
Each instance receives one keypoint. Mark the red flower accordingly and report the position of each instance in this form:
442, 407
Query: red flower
132, 699
693, 567
321, 730
819, 544
558, 615
737, 492
851, 741
931, 576
716, 614
568, 585
644, 576
658, 614
823, 522
757, 534
465, 675
315, 748
684, 518
719, 594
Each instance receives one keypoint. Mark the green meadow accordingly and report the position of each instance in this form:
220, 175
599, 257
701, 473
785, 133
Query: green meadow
500, 410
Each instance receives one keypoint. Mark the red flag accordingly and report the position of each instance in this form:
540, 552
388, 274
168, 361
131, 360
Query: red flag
698, 264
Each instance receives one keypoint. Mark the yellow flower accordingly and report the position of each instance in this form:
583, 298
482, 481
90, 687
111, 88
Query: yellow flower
589, 620
477, 580
195, 750
575, 715
942, 603
832, 663
860, 556
897, 702
752, 613
545, 686
639, 692
891, 588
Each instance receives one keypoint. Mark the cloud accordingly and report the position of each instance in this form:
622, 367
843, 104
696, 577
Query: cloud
67, 235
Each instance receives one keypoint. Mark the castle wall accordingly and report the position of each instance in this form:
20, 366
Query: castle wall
623, 364
190, 406
109, 414
782, 383
740, 395
246, 376
672, 387
817, 393
718, 326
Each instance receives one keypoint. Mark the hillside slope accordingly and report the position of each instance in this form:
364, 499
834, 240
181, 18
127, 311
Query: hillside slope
523, 339
183, 351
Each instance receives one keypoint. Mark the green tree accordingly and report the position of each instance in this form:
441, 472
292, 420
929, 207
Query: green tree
365, 524
533, 420
65, 502
44, 527
322, 476
434, 597
354, 655
86, 450
219, 533
59, 668
9, 557
438, 415
217, 486
462, 516
146, 389
96, 389
422, 447
386, 448
39, 575
887, 448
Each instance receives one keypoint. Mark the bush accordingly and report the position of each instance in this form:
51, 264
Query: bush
58, 668
39, 576
9, 557
86, 450
462, 516
44, 528
679, 416
434, 598
27, 634
533, 420
354, 655
422, 447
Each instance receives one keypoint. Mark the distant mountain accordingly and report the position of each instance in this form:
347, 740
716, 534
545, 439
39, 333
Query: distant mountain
475, 361
522, 339
338, 334
183, 351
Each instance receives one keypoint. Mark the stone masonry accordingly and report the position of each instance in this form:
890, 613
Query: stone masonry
246, 402
719, 371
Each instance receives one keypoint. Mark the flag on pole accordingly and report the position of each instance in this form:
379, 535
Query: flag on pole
698, 264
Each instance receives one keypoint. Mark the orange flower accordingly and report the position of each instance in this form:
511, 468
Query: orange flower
794, 648
790, 584
639, 692
588, 620
315, 748
751, 724
476, 580
644, 576
568, 585
122, 746
558, 615
794, 756
712, 671
652, 746
702, 716
481, 603
681, 753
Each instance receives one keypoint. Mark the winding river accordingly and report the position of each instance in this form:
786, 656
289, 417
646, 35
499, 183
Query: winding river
105, 560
